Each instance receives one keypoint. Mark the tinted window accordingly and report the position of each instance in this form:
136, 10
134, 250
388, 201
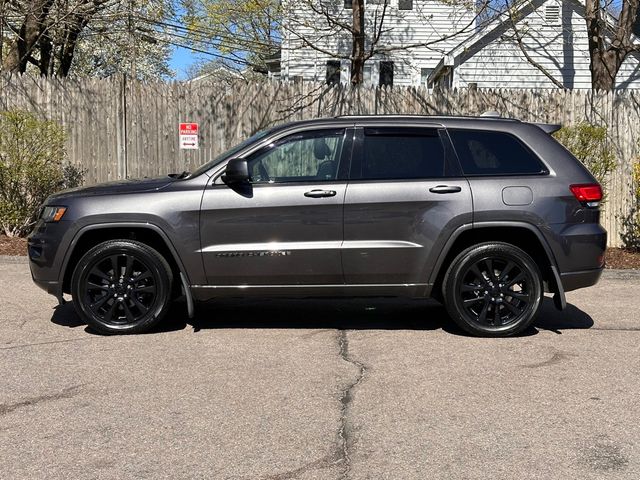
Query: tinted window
303, 157
402, 154
493, 153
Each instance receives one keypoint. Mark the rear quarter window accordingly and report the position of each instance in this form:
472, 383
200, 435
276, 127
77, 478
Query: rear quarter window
494, 153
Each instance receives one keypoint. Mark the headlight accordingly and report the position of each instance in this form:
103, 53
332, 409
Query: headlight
53, 214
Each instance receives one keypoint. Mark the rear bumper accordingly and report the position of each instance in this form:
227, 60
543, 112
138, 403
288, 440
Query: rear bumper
584, 278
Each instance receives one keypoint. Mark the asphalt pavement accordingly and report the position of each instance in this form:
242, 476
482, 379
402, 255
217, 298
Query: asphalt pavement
320, 389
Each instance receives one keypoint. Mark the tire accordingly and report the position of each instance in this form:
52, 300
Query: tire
493, 290
121, 286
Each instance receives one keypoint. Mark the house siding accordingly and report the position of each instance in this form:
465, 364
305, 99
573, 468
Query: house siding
562, 50
428, 23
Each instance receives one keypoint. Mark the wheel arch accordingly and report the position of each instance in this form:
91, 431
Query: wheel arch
147, 233
520, 234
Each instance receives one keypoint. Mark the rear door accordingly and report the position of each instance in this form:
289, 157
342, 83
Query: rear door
404, 199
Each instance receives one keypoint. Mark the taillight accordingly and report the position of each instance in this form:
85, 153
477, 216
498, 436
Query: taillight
590, 193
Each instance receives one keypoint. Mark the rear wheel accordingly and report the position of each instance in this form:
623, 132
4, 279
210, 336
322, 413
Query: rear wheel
493, 289
121, 286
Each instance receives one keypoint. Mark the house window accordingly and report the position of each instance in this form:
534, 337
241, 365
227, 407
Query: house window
376, 2
552, 14
366, 75
386, 74
424, 75
348, 4
333, 72
405, 4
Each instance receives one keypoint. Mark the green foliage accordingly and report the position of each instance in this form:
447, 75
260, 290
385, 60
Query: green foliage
630, 234
588, 143
32, 167
244, 31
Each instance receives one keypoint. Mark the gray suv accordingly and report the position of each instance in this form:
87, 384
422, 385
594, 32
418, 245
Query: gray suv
482, 214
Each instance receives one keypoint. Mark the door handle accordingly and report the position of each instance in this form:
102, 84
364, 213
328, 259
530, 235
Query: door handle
445, 189
320, 193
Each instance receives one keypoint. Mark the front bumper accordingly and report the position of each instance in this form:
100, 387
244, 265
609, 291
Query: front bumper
45, 256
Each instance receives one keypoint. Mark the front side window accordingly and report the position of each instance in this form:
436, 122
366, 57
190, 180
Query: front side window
494, 153
402, 153
302, 157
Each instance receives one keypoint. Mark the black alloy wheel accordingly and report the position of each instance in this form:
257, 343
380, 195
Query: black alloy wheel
122, 286
493, 289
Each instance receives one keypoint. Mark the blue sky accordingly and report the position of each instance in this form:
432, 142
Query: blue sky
181, 60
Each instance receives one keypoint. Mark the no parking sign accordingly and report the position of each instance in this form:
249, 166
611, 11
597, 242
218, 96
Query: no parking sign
188, 136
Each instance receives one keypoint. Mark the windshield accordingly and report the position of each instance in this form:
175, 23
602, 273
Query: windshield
229, 153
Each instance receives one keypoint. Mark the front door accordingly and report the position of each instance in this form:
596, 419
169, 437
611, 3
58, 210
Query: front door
284, 228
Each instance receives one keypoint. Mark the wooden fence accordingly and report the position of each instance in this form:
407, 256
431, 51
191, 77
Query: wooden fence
122, 129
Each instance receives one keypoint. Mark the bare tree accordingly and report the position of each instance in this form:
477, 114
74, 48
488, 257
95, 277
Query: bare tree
32, 28
610, 42
49, 33
610, 38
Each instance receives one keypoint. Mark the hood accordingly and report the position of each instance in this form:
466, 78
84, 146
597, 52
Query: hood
116, 187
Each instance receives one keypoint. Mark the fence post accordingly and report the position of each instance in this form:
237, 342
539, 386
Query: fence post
121, 129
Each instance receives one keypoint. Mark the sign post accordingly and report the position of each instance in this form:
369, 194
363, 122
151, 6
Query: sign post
188, 136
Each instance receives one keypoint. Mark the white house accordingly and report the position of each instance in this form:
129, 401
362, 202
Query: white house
553, 33
428, 42
314, 36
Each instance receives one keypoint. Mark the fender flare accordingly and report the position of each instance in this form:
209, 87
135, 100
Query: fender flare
559, 297
184, 278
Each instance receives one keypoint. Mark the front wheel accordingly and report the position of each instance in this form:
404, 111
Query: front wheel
121, 286
493, 290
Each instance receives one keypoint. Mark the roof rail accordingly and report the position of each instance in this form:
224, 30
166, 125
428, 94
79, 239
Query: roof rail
491, 114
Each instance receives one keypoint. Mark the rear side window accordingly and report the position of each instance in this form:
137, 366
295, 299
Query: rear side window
494, 153
402, 153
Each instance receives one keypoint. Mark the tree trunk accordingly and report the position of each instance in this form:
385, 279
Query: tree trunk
608, 54
30, 32
45, 54
603, 71
69, 46
357, 51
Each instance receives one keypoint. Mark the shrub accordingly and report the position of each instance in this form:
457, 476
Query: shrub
630, 234
32, 167
588, 143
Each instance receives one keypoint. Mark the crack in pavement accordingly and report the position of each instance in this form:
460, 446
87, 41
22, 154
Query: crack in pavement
66, 393
346, 397
50, 342
557, 357
324, 462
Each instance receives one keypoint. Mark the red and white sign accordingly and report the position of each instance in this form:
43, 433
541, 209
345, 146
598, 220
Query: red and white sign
188, 136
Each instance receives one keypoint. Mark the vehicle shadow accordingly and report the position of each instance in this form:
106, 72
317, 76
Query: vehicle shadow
333, 313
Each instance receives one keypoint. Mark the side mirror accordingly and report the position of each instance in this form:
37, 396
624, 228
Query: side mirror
237, 171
